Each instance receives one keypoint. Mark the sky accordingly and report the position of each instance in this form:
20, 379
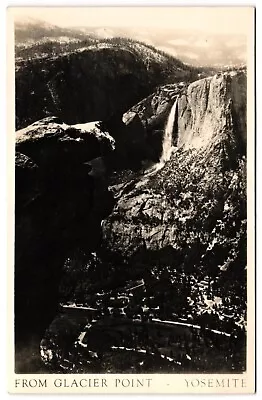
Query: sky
228, 20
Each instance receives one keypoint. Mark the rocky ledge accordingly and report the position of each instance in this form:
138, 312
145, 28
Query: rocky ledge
61, 198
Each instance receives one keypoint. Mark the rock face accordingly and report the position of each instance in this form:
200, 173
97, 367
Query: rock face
153, 112
60, 202
154, 109
191, 214
209, 133
212, 108
92, 83
205, 109
130, 141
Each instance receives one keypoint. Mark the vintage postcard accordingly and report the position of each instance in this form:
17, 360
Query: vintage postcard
131, 200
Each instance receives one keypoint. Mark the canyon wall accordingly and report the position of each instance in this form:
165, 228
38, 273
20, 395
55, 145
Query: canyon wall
194, 199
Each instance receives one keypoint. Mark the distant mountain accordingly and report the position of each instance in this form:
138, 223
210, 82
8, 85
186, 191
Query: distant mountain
30, 31
192, 47
88, 79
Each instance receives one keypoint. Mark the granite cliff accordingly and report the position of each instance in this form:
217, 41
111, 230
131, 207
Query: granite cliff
189, 215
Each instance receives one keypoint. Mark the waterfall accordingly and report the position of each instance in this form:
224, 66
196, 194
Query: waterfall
168, 135
167, 143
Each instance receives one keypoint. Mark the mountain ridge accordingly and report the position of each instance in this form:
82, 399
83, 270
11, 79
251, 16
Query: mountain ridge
104, 81
192, 47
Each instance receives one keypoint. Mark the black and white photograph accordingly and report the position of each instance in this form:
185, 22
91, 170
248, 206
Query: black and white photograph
133, 215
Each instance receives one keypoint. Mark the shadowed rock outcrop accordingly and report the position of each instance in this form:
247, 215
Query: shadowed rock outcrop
60, 202
130, 141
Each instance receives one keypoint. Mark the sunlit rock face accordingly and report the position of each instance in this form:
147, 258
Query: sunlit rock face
199, 196
182, 227
211, 109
